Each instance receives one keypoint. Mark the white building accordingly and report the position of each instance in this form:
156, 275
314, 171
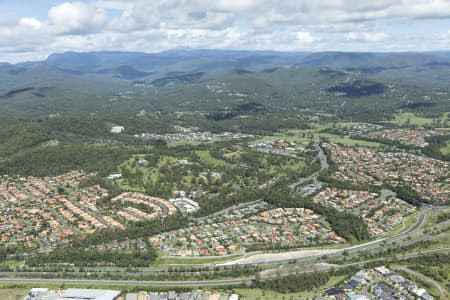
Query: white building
117, 129
185, 204
72, 294
114, 176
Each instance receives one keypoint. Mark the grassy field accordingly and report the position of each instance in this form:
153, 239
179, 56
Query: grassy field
290, 136
206, 157
11, 263
183, 143
164, 261
13, 293
412, 119
446, 150
326, 135
430, 219
355, 143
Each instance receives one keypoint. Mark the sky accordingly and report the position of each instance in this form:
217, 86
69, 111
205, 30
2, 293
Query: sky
33, 29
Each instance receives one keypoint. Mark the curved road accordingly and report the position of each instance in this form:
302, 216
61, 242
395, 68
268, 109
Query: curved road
402, 235
355, 248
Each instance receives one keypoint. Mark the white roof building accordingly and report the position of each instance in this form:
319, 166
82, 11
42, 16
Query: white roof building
88, 294
114, 176
117, 129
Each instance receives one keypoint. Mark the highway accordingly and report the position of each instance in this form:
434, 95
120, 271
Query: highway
300, 257
313, 267
349, 250
265, 275
32, 277
376, 246
221, 282
356, 248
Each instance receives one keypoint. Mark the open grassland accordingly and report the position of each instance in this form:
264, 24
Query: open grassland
11, 263
446, 150
411, 119
297, 136
407, 118
165, 261
206, 158
184, 143
355, 143
13, 293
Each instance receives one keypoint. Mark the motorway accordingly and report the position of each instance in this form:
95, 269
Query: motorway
352, 251
17, 277
313, 267
219, 282
301, 257
265, 275
356, 248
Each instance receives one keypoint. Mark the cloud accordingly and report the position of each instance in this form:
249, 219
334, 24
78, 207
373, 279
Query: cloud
445, 36
306, 37
444, 39
370, 37
112, 4
238, 6
290, 25
23, 35
31, 22
76, 18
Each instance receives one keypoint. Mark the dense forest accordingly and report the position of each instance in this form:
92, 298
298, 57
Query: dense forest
302, 282
90, 257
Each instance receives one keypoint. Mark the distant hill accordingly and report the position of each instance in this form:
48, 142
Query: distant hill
372, 62
220, 80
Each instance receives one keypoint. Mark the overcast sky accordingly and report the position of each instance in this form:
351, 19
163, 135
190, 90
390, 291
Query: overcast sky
32, 29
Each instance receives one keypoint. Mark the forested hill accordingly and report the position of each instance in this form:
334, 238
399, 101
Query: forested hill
351, 85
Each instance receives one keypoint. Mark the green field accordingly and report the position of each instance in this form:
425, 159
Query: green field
164, 261
411, 119
13, 293
407, 118
446, 150
206, 157
11, 263
183, 143
290, 136
355, 143
328, 136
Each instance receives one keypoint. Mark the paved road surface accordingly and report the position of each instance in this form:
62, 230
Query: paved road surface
221, 282
270, 258
267, 274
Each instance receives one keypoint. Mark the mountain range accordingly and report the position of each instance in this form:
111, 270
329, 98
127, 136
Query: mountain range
109, 82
